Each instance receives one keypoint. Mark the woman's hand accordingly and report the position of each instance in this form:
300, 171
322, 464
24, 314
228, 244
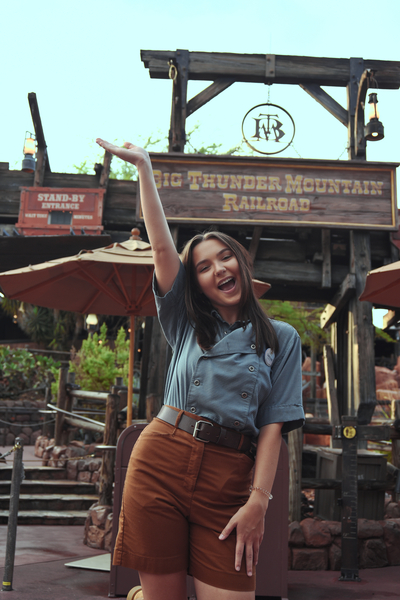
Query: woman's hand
249, 524
128, 152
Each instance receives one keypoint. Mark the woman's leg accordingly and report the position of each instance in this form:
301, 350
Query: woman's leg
209, 592
164, 587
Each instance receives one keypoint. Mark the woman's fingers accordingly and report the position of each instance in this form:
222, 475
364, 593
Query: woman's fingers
249, 559
128, 152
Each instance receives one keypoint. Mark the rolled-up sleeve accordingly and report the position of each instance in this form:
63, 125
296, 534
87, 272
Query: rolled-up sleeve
284, 402
171, 308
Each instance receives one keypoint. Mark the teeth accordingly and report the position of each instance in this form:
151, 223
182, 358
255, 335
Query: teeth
225, 281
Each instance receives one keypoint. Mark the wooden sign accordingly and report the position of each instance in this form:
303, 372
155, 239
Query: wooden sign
57, 211
308, 193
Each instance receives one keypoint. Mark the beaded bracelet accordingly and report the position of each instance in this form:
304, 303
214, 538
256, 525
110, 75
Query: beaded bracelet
262, 490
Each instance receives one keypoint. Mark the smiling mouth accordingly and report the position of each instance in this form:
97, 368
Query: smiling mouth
227, 285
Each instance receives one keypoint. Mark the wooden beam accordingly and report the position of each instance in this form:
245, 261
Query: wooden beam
336, 484
41, 162
105, 172
255, 240
37, 124
326, 258
346, 291
295, 273
208, 94
210, 66
329, 103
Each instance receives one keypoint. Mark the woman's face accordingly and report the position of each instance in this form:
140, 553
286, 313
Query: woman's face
218, 275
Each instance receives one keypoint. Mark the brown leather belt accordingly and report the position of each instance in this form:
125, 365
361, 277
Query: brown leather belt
205, 431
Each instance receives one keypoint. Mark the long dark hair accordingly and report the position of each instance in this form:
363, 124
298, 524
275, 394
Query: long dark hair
200, 309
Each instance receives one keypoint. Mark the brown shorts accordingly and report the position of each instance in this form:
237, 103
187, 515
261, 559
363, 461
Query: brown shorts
178, 496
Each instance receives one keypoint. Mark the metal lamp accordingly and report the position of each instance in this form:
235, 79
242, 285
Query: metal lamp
91, 323
29, 163
373, 131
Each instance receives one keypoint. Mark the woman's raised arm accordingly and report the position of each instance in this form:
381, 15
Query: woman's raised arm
166, 258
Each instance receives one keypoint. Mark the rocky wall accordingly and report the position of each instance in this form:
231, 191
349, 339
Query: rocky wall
75, 458
315, 545
20, 418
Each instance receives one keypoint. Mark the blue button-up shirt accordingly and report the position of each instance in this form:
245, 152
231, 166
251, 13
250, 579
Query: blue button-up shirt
230, 384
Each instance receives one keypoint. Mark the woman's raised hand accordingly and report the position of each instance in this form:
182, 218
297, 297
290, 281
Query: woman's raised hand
128, 152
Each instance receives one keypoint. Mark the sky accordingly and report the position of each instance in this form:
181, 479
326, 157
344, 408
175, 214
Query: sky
82, 59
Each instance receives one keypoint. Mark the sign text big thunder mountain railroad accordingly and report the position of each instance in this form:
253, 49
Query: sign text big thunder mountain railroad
310, 193
234, 201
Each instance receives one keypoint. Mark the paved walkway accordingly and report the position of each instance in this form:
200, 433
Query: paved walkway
42, 551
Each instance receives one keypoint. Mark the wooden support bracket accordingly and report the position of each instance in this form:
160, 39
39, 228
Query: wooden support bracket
359, 139
392, 317
208, 94
346, 291
329, 103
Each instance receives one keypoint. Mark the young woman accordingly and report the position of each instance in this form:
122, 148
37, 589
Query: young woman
235, 377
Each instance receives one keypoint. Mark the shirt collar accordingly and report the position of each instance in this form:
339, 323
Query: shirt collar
232, 327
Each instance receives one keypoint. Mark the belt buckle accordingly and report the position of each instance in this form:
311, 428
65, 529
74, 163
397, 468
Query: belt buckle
197, 430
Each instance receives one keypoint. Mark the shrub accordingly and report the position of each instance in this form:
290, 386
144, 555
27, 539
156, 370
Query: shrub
21, 370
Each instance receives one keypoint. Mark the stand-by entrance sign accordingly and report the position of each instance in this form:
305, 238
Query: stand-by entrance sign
57, 211
334, 194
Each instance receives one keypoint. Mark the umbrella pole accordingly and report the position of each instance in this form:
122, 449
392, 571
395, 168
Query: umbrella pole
130, 379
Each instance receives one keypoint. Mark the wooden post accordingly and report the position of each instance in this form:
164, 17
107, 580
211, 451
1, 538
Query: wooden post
177, 135
157, 363
326, 258
17, 477
396, 443
331, 392
61, 400
313, 378
361, 333
68, 403
144, 366
295, 443
109, 439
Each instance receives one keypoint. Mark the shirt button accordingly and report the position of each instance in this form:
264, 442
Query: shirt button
253, 346
251, 368
236, 423
196, 382
193, 410
244, 394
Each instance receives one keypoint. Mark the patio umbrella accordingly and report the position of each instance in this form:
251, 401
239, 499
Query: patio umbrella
382, 286
114, 280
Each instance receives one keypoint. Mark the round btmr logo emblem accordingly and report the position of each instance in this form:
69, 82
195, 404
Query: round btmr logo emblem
268, 129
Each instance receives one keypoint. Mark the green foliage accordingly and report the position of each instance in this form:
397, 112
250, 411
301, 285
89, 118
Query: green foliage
63, 331
379, 333
38, 323
96, 365
305, 321
21, 370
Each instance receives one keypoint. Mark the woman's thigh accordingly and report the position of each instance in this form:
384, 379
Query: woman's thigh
204, 591
168, 587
